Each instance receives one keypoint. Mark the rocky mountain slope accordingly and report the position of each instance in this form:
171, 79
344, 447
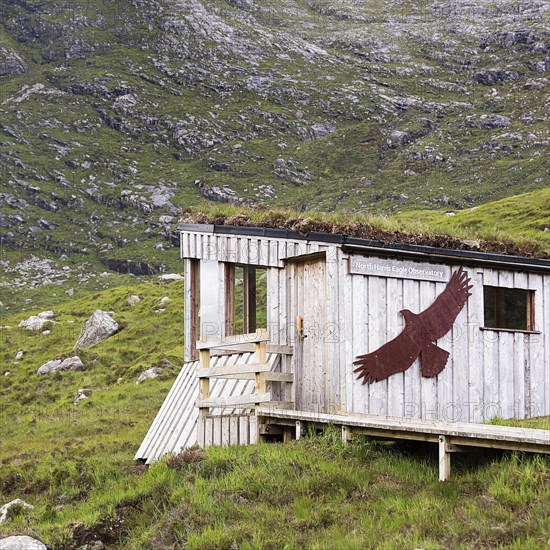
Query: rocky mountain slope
114, 114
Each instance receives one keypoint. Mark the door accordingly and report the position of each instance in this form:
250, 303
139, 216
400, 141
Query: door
309, 307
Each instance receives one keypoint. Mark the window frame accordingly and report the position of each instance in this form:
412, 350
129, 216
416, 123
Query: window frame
250, 304
500, 309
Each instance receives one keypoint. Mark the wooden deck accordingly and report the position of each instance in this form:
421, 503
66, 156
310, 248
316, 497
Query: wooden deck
451, 437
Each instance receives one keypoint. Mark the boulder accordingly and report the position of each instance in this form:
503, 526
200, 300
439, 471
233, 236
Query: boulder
56, 365
21, 543
19, 355
37, 322
321, 129
33, 323
46, 315
5, 510
50, 366
133, 299
97, 328
494, 121
170, 277
153, 372
164, 300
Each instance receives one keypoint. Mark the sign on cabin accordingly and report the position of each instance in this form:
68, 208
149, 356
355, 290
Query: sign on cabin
361, 265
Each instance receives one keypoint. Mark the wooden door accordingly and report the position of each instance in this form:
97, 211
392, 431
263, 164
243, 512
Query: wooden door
309, 302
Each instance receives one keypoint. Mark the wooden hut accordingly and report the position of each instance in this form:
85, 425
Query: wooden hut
276, 324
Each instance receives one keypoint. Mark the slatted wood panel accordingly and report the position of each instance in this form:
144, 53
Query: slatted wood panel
489, 373
227, 430
175, 426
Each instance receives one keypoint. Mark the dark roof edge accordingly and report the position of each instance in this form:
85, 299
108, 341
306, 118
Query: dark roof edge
363, 246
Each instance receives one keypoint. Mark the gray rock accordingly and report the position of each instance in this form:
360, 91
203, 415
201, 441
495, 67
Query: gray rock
97, 328
23, 542
19, 355
493, 76
56, 365
170, 278
133, 299
494, 121
322, 129
71, 363
398, 138
153, 372
5, 510
164, 300
10, 63
37, 322
50, 366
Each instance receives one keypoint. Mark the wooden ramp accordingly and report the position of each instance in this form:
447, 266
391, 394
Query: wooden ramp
451, 437
175, 426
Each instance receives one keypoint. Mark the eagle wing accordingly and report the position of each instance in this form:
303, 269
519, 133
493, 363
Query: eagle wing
438, 319
395, 356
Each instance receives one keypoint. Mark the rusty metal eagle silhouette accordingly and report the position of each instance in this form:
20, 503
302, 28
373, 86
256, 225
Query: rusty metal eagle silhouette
417, 338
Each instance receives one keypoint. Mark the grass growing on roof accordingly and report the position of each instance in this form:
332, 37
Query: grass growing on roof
418, 228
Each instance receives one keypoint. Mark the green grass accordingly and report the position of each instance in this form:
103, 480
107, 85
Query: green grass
522, 218
75, 463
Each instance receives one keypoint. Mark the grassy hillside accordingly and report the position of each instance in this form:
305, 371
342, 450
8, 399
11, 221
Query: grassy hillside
523, 217
74, 463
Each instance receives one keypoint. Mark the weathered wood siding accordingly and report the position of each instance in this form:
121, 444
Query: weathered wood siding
489, 372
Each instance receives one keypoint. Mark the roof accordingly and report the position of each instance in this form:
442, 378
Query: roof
465, 252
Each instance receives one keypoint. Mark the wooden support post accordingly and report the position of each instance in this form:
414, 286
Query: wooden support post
298, 430
346, 434
444, 459
260, 357
204, 393
287, 436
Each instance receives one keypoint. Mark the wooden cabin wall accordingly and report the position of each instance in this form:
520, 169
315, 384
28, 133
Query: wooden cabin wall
489, 372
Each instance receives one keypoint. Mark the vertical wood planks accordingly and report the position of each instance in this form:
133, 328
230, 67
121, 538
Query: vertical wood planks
428, 386
413, 398
506, 359
335, 370
471, 376
377, 336
394, 323
358, 342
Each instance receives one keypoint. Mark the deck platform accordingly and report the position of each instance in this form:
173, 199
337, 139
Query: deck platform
451, 437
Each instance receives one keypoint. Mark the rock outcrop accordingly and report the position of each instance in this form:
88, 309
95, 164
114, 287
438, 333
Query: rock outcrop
56, 365
21, 542
8, 509
37, 322
97, 328
148, 374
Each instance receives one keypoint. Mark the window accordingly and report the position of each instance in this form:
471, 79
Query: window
508, 308
245, 299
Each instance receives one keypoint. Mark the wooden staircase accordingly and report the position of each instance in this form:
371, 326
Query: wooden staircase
241, 428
